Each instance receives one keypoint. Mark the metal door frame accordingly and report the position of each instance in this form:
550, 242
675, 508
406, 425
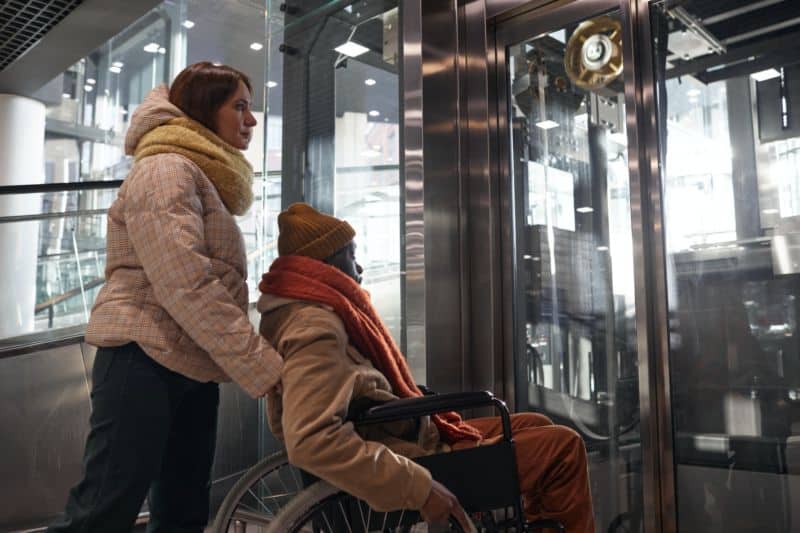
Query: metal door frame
515, 22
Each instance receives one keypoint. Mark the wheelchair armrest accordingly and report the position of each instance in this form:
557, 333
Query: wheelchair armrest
425, 390
428, 405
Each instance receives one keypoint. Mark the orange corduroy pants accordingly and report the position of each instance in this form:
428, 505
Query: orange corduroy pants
552, 469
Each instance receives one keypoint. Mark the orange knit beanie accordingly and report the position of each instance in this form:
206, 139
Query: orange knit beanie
305, 231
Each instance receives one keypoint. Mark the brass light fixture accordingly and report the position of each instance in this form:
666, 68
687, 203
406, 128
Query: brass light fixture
593, 56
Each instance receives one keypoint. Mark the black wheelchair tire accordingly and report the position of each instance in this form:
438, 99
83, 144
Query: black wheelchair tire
301, 508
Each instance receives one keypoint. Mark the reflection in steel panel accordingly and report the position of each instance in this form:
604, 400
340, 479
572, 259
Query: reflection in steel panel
44, 413
44, 419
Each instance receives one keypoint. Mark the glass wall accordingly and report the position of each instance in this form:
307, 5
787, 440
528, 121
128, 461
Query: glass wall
574, 333
728, 84
333, 133
84, 142
338, 149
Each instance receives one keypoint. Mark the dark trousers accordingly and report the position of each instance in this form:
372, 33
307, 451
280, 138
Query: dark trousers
151, 429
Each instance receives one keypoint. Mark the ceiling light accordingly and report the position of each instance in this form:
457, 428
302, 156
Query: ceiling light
188, 24
770, 211
351, 49
118, 64
602, 248
547, 124
584, 209
693, 92
765, 75
88, 88
115, 70
151, 48
271, 84
162, 50
91, 81
370, 82
66, 95
374, 113
256, 46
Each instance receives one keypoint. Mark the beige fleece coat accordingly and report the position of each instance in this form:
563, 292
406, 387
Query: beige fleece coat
323, 375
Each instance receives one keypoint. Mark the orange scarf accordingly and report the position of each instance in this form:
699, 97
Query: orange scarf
303, 278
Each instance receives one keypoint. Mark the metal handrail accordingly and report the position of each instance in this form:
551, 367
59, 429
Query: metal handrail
46, 216
55, 300
60, 187
93, 185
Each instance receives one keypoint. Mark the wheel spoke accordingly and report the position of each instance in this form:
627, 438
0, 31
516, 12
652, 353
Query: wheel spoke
344, 515
361, 512
297, 482
325, 517
256, 498
280, 480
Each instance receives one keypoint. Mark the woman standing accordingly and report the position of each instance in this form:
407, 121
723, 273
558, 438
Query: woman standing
171, 321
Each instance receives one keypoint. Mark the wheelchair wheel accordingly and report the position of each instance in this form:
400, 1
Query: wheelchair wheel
322, 508
255, 499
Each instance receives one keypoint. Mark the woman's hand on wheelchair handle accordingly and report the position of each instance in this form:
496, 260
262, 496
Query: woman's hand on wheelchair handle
277, 389
441, 504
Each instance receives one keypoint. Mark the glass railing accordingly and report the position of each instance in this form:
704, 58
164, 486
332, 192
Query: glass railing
56, 232
66, 249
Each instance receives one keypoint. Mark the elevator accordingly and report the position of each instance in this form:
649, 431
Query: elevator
627, 256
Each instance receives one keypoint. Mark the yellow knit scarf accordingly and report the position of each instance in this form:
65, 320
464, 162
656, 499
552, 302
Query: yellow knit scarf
223, 164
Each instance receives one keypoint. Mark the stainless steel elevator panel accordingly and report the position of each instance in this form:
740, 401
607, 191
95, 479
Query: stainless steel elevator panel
44, 413
44, 419
446, 336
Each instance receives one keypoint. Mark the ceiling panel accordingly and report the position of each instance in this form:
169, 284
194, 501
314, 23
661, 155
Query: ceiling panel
25, 22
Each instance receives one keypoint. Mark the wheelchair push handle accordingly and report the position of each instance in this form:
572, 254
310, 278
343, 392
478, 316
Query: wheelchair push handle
437, 403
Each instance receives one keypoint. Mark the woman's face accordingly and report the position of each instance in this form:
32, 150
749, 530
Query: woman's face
234, 119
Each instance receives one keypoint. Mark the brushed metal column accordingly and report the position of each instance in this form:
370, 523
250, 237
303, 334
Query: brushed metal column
445, 337
509, 205
484, 365
412, 208
649, 269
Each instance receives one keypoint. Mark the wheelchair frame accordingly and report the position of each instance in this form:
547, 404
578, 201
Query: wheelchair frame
482, 491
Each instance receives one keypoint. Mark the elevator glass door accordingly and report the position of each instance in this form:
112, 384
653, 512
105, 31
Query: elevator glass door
728, 100
574, 331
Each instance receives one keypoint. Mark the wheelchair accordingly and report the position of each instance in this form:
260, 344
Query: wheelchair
276, 497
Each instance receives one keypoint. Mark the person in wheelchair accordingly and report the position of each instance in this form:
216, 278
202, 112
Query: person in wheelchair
338, 355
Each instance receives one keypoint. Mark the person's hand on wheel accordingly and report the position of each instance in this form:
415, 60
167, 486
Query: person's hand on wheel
441, 505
